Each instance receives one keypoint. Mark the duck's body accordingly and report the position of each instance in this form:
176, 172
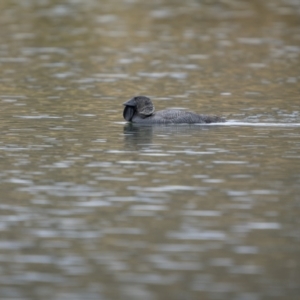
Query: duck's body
141, 110
175, 116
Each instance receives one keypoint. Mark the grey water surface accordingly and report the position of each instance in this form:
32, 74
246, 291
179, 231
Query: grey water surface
94, 208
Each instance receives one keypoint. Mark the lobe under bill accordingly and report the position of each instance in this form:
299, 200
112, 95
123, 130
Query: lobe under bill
128, 113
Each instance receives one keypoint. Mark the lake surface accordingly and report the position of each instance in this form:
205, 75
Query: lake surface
95, 208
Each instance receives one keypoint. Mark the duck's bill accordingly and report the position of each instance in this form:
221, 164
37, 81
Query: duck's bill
130, 102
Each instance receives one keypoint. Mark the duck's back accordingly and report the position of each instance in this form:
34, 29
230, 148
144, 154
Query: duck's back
175, 116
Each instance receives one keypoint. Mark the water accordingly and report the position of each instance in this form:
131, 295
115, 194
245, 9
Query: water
95, 208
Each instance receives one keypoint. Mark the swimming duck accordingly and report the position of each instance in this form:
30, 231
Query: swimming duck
141, 110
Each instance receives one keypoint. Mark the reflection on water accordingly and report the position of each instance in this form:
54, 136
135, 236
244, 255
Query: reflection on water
95, 208
137, 135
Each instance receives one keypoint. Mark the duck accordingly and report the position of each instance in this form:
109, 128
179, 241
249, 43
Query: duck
140, 109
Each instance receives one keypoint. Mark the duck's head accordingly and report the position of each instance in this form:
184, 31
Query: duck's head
141, 105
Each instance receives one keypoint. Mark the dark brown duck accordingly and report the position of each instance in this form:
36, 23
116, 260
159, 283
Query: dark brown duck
140, 109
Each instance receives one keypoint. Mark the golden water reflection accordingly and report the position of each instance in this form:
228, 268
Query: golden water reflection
94, 208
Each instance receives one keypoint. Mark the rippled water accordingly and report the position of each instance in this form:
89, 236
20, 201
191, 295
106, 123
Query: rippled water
95, 208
